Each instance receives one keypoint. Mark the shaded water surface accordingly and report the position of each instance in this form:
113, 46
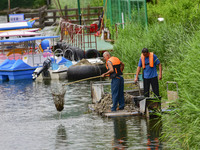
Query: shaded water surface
29, 120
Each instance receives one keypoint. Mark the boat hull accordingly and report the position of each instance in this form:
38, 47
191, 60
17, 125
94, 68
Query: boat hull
51, 75
16, 74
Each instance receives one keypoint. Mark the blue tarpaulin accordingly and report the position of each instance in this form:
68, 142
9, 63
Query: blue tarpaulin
65, 61
12, 65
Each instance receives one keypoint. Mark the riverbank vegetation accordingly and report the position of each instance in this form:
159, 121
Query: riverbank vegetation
176, 43
83, 3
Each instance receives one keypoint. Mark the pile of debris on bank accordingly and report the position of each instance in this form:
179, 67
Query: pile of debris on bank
105, 103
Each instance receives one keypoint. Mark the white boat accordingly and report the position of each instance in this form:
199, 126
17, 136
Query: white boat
16, 25
29, 30
18, 33
53, 69
9, 48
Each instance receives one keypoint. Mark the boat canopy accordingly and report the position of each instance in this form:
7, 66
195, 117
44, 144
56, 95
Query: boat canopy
18, 40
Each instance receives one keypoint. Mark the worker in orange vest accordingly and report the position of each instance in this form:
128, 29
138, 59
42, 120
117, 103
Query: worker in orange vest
115, 68
148, 61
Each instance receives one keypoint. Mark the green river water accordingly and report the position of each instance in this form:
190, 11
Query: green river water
29, 121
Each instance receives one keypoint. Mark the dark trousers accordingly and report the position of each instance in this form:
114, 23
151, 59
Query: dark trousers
117, 89
154, 84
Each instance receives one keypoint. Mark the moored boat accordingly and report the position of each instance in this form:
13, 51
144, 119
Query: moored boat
16, 25
23, 57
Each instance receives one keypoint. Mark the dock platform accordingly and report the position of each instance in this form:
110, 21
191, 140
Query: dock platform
120, 114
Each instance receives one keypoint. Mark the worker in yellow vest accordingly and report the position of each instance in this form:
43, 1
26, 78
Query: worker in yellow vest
115, 68
148, 61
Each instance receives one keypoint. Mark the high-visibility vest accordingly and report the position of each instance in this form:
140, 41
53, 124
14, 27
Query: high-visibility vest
116, 66
151, 63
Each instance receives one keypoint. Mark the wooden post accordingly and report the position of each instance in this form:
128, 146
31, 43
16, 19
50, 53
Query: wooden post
88, 13
77, 16
8, 5
41, 18
54, 17
66, 13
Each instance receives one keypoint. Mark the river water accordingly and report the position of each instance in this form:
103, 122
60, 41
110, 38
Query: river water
29, 120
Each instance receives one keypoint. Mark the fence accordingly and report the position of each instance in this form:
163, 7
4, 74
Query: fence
121, 11
78, 36
48, 17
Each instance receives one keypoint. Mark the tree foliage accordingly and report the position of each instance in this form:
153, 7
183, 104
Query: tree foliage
22, 4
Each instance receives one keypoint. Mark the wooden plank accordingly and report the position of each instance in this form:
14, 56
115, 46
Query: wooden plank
85, 15
142, 106
53, 10
51, 17
121, 113
75, 21
97, 92
48, 23
31, 15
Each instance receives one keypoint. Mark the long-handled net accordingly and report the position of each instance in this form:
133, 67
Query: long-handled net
58, 98
59, 93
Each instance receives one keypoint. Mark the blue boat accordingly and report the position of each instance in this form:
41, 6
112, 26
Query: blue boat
31, 57
15, 70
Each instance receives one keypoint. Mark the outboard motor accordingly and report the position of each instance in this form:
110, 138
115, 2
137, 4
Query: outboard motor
44, 69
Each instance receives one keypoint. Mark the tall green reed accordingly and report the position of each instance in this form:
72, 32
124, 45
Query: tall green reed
177, 48
183, 124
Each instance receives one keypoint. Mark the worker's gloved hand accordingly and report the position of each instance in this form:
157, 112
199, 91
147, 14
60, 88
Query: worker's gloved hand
103, 75
136, 79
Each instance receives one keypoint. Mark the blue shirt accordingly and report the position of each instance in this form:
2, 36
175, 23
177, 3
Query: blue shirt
149, 72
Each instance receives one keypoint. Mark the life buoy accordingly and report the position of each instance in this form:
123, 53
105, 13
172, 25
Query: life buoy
69, 54
74, 53
92, 53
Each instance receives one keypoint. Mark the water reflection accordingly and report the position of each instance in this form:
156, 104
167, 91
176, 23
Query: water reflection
154, 132
120, 133
61, 137
9, 90
47, 82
